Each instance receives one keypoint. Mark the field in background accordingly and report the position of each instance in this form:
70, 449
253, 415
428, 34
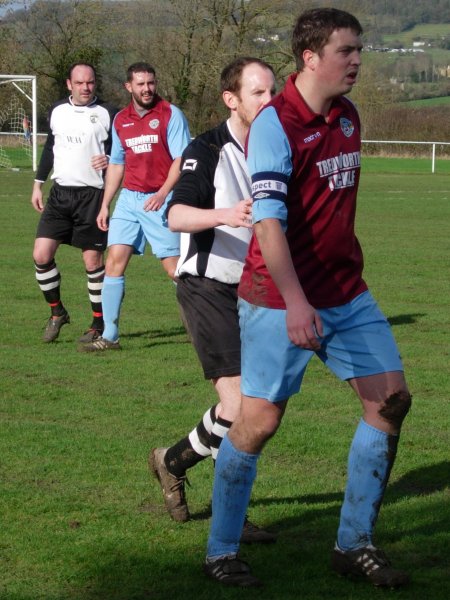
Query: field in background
423, 32
426, 102
81, 518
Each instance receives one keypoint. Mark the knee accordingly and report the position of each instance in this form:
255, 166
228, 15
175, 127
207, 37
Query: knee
265, 427
169, 265
115, 265
170, 270
93, 263
252, 434
42, 255
171, 274
395, 408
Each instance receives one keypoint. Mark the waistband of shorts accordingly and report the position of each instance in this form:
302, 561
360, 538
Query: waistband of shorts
145, 192
75, 187
184, 276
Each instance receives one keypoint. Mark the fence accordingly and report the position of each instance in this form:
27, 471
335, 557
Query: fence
400, 142
42, 136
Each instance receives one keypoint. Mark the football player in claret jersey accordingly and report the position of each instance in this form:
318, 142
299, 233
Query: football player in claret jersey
149, 136
302, 289
76, 148
211, 206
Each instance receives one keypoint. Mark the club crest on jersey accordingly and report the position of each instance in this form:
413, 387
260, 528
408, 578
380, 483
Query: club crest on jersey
347, 127
93, 118
154, 123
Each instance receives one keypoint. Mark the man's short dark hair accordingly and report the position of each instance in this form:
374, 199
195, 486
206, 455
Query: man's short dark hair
139, 67
314, 27
231, 76
81, 64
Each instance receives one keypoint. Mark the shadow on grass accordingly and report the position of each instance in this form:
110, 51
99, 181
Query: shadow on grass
156, 333
298, 566
405, 319
318, 516
421, 481
418, 482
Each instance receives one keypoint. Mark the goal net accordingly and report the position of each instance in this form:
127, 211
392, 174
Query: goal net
18, 115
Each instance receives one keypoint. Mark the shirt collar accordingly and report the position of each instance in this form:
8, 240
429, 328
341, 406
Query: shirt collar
294, 96
93, 101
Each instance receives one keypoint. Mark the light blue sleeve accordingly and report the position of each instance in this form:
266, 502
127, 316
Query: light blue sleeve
178, 135
269, 159
117, 150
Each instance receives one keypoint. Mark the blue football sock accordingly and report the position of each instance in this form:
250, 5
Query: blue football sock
370, 460
234, 475
112, 295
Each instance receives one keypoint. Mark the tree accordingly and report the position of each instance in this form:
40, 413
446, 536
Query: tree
51, 35
203, 37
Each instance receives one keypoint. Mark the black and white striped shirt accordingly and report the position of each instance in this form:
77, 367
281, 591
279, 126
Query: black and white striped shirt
213, 175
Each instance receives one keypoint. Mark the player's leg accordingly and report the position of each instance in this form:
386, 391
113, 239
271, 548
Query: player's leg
95, 272
370, 361
229, 391
112, 295
125, 238
386, 400
211, 314
235, 473
49, 281
54, 228
169, 264
270, 374
92, 243
169, 465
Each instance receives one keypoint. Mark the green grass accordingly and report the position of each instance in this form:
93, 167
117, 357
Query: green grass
426, 102
16, 157
80, 517
424, 32
392, 165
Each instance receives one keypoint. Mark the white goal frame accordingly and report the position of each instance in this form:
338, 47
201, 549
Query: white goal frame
16, 81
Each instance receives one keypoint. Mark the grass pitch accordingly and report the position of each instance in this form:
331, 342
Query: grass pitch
81, 519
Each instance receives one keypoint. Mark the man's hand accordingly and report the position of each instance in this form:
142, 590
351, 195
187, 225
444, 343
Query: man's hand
36, 197
155, 201
304, 326
99, 162
103, 218
240, 215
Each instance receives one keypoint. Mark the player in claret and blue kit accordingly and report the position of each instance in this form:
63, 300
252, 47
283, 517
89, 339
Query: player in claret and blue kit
302, 289
149, 137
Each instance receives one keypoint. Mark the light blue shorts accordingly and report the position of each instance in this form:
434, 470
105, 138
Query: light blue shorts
130, 224
357, 342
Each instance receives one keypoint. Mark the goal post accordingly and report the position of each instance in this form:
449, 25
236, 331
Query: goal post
18, 121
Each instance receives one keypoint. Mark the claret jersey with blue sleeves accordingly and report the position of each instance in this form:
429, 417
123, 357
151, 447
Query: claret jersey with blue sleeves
305, 172
213, 175
148, 144
76, 133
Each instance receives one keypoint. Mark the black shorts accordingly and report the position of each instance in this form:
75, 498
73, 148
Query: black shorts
210, 308
70, 217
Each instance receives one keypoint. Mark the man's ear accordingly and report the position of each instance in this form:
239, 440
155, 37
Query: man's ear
230, 100
310, 59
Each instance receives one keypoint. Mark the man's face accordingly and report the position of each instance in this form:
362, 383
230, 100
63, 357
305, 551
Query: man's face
338, 64
82, 85
142, 89
257, 88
